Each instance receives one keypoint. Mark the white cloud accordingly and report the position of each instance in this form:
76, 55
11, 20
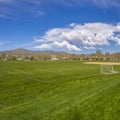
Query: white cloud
89, 48
66, 46
77, 36
60, 46
44, 46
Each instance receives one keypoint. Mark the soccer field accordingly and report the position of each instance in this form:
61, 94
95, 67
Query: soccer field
57, 90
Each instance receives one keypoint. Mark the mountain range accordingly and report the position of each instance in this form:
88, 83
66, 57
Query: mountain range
22, 51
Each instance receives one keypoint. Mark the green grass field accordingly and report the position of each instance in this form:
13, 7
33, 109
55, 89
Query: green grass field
57, 90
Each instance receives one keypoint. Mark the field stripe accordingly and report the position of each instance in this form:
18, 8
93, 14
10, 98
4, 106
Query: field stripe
85, 96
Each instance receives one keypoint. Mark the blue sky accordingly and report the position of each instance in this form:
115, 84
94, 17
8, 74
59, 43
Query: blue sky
74, 26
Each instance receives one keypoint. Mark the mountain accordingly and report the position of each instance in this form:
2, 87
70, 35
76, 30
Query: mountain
22, 51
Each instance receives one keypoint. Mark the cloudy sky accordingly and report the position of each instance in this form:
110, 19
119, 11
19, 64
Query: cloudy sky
75, 26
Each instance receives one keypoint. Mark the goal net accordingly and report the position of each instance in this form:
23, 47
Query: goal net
107, 69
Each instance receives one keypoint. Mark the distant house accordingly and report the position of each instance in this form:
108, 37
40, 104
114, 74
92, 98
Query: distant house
53, 57
20, 59
65, 58
5, 59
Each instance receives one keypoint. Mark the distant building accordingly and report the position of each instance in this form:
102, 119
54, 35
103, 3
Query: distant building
53, 57
20, 58
65, 58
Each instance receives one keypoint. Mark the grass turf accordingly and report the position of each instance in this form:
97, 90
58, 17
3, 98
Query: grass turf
57, 90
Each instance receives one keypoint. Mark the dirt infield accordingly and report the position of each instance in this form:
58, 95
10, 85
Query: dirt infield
103, 63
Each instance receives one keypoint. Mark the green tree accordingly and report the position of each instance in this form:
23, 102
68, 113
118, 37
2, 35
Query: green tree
99, 54
13, 58
107, 56
32, 58
92, 56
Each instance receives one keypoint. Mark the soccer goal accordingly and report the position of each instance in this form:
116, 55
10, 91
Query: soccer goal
107, 69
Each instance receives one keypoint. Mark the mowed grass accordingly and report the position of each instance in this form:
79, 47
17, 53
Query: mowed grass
57, 90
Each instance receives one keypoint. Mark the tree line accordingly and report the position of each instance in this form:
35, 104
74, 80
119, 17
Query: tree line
64, 56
